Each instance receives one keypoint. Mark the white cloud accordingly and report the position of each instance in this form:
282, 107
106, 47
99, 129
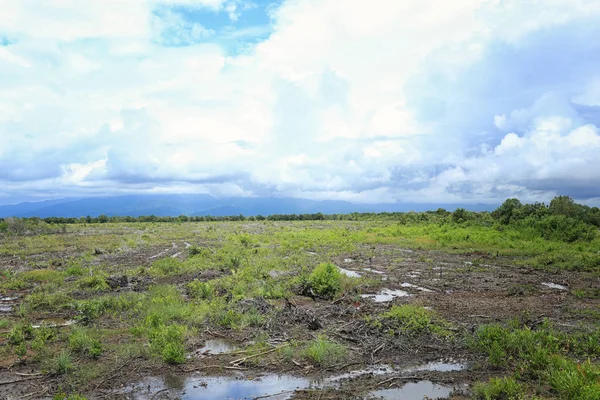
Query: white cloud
366, 101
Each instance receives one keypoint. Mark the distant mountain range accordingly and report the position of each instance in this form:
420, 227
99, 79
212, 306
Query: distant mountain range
198, 204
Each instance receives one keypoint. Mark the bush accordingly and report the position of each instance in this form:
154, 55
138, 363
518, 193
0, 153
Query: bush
167, 341
325, 281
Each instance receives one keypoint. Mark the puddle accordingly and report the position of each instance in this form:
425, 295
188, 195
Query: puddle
438, 367
410, 285
554, 286
347, 272
8, 299
218, 388
406, 250
54, 323
415, 391
187, 245
385, 295
312, 253
175, 255
348, 260
374, 370
216, 346
5, 308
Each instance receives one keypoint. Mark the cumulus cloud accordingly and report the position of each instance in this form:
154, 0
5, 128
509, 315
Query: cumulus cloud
463, 101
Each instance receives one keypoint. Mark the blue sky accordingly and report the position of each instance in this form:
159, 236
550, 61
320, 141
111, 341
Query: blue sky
381, 101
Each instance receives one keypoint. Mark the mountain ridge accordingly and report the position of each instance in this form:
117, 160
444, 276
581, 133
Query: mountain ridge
202, 205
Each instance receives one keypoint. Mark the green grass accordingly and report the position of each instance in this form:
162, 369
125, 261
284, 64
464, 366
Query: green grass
324, 352
545, 357
412, 320
82, 342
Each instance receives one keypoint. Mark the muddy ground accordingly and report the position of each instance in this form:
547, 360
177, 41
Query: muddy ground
467, 290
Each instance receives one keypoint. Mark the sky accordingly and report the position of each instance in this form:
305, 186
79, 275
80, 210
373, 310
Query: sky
433, 101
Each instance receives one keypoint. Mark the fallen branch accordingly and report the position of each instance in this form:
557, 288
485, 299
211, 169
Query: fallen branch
241, 360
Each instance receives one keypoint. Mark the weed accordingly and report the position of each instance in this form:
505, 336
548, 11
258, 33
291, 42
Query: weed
323, 352
62, 363
413, 320
201, 290
81, 342
94, 283
167, 341
166, 266
499, 389
589, 293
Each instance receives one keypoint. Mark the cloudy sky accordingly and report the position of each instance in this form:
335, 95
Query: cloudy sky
369, 101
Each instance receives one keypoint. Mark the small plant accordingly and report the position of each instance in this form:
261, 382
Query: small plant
167, 341
324, 281
81, 342
62, 364
414, 320
195, 250
166, 266
499, 389
201, 290
321, 351
93, 283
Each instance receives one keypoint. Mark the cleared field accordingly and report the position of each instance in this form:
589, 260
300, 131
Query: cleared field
302, 310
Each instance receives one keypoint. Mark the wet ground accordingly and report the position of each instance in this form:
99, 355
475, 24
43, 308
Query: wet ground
466, 290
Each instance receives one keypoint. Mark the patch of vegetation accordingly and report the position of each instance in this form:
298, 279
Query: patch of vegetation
587, 293
324, 281
167, 341
499, 388
94, 283
166, 266
411, 320
81, 342
62, 363
324, 352
543, 356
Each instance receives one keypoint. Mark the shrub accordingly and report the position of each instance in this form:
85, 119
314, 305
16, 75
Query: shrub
325, 281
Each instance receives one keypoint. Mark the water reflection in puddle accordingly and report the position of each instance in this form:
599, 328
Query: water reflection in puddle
410, 285
219, 388
385, 295
415, 391
347, 272
554, 286
374, 370
348, 260
216, 346
53, 323
5, 308
438, 367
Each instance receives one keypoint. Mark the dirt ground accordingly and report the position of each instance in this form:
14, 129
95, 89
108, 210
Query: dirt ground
466, 290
